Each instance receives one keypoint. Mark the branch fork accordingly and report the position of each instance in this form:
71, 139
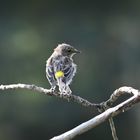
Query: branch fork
108, 113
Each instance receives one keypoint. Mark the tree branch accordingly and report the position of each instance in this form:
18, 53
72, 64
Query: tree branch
113, 129
109, 113
68, 97
99, 107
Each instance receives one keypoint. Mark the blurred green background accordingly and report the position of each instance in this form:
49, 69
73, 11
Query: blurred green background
107, 33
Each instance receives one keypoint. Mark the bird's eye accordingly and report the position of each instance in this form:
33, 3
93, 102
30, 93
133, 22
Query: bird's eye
69, 50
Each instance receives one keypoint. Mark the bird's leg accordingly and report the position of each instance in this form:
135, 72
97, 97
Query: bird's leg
62, 88
53, 88
67, 91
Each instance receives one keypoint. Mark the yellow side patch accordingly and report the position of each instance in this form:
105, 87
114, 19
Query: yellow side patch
59, 74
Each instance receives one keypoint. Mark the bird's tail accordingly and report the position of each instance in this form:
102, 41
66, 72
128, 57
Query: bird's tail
63, 88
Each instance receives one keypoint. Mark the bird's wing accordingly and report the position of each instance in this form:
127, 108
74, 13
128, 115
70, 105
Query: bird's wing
64, 69
50, 73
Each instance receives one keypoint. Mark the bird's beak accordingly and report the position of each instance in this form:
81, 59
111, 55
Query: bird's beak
76, 51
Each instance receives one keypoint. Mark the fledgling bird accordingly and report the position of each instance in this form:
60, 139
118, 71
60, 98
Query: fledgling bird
60, 68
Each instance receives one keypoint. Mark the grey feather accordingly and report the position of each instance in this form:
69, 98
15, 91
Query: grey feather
61, 60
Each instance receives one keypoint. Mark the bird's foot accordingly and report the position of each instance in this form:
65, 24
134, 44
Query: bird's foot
52, 89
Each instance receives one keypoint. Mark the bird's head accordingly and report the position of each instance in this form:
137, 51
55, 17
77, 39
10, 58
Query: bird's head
66, 50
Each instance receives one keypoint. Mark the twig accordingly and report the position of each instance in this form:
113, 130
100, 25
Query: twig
113, 129
109, 113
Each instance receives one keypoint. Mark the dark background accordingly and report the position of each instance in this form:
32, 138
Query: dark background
107, 33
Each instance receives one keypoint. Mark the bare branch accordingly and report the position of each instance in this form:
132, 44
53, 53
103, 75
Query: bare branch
113, 129
99, 107
68, 97
109, 113
119, 92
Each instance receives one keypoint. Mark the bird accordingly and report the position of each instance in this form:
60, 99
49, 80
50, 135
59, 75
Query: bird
60, 68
